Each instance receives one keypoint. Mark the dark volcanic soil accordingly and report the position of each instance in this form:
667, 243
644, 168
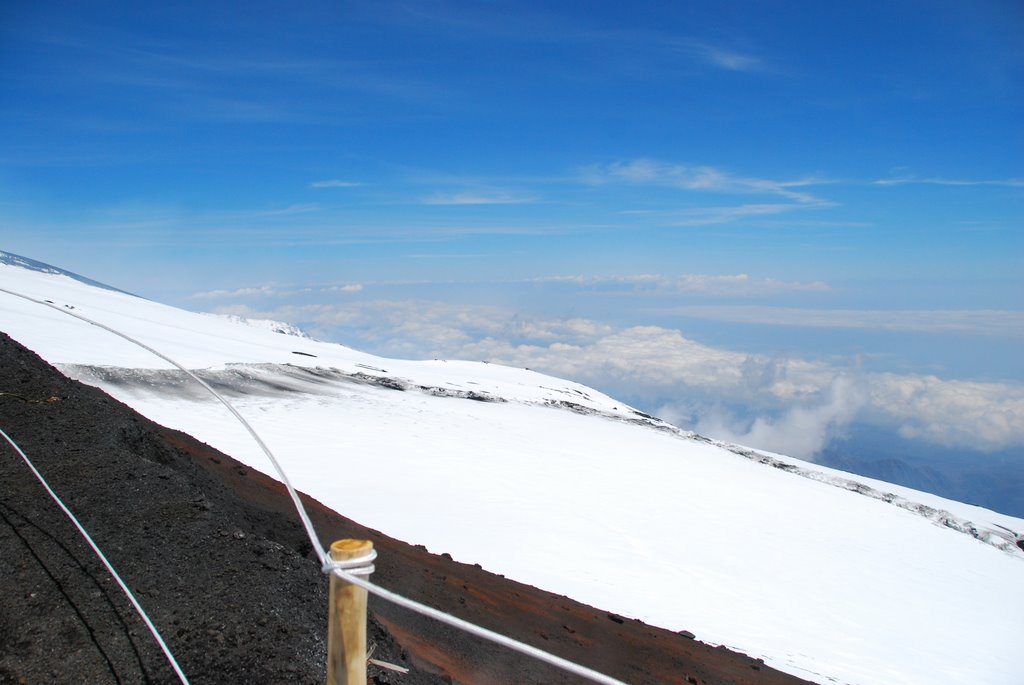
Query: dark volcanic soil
214, 552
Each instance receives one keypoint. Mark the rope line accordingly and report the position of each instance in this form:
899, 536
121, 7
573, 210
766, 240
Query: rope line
102, 557
342, 569
479, 631
357, 566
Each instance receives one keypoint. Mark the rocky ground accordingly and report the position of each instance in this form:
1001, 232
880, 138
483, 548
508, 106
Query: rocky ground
215, 553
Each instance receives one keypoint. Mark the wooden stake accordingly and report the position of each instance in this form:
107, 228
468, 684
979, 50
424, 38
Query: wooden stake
346, 621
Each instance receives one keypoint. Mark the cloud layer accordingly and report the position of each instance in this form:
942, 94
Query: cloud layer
995, 322
781, 403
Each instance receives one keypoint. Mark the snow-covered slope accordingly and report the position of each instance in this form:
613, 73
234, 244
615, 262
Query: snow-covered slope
825, 575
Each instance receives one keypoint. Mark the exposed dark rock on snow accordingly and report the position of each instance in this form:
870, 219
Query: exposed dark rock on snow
571, 406
998, 536
214, 552
476, 396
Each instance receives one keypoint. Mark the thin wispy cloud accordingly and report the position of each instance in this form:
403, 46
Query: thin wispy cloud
1009, 182
546, 26
268, 291
700, 178
704, 284
730, 60
450, 255
335, 183
995, 322
641, 285
632, 279
708, 216
251, 292
305, 208
495, 198
204, 83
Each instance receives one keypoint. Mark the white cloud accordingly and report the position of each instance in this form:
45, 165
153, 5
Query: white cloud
997, 322
582, 280
720, 56
1010, 182
704, 284
645, 357
696, 178
709, 216
951, 412
258, 291
288, 211
732, 60
266, 291
347, 288
335, 183
801, 431
495, 198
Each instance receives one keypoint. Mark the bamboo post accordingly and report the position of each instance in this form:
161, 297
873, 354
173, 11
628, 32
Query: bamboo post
346, 620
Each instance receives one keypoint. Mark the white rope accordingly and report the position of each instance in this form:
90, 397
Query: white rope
354, 571
357, 566
103, 558
473, 629
339, 568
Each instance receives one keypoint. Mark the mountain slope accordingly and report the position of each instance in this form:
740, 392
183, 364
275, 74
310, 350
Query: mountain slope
557, 485
215, 553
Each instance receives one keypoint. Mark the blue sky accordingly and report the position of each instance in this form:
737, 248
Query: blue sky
804, 214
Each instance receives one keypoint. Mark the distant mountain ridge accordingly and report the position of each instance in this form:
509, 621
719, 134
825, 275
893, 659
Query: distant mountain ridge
991, 480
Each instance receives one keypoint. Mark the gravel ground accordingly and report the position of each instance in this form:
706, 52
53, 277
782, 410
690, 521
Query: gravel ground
231, 586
